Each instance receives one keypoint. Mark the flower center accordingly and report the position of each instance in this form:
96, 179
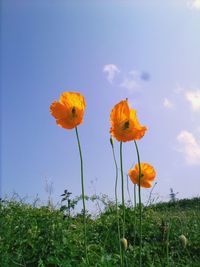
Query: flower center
73, 111
126, 125
140, 176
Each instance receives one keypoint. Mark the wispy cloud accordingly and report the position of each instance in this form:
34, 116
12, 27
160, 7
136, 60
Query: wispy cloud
111, 70
131, 81
194, 4
190, 147
167, 103
193, 96
198, 130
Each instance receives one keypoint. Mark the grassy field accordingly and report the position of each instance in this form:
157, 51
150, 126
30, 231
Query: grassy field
42, 236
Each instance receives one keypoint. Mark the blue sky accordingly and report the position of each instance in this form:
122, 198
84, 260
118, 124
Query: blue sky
107, 50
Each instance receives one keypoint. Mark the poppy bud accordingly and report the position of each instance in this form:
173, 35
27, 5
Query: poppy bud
183, 240
73, 226
124, 243
111, 142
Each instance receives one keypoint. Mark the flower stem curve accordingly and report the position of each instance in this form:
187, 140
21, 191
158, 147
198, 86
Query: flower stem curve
116, 200
83, 193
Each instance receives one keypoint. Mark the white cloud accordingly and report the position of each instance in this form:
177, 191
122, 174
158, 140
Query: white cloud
193, 96
194, 4
190, 147
111, 71
198, 129
167, 103
135, 74
131, 82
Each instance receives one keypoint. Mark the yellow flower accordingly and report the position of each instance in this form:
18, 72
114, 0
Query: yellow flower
147, 175
69, 110
124, 123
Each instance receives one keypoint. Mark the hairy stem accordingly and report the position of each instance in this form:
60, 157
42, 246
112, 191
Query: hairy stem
122, 177
116, 202
135, 203
83, 194
140, 205
123, 202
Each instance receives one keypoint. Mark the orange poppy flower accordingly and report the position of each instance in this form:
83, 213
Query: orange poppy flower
124, 123
69, 110
147, 175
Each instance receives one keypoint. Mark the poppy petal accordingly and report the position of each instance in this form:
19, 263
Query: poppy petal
58, 110
71, 99
120, 113
124, 123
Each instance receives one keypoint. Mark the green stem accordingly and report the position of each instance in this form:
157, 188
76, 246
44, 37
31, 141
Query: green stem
128, 191
140, 205
122, 177
123, 203
116, 201
83, 194
167, 245
135, 203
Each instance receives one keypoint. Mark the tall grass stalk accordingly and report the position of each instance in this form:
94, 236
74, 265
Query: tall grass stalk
83, 195
167, 245
140, 205
116, 199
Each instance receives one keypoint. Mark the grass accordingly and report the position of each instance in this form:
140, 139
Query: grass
39, 236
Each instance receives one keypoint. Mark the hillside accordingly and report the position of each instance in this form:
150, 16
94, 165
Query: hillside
31, 236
